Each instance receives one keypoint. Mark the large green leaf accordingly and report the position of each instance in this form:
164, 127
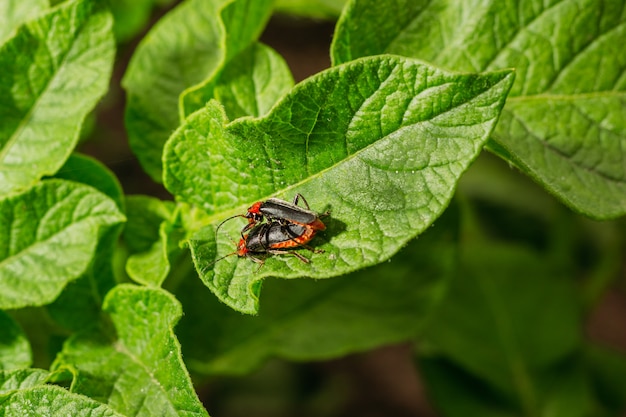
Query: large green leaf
380, 142
140, 372
48, 236
54, 71
564, 121
184, 49
15, 12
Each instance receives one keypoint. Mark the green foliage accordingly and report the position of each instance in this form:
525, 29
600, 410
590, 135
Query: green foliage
184, 50
61, 60
143, 352
572, 72
399, 168
427, 238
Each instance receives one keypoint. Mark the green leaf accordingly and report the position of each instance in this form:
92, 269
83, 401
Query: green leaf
151, 237
141, 372
249, 85
314, 320
48, 236
381, 142
55, 69
145, 214
50, 400
21, 379
243, 22
79, 305
185, 48
15, 12
507, 319
563, 123
14, 347
89, 171
578, 156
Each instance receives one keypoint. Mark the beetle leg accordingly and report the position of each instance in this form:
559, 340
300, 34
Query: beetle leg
297, 255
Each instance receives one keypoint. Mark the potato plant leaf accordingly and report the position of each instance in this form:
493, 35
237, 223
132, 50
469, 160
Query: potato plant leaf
564, 122
243, 21
48, 236
249, 85
380, 142
145, 353
61, 60
182, 50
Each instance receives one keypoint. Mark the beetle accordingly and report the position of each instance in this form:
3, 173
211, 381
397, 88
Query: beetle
280, 211
276, 238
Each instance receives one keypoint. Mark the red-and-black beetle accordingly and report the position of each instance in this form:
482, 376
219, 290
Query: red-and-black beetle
280, 211
274, 238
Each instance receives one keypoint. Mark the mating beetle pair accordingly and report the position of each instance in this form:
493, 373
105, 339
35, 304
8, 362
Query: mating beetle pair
288, 226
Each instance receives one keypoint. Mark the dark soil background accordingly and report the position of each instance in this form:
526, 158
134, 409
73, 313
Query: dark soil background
380, 383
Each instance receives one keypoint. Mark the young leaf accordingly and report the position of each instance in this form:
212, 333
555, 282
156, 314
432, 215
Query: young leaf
185, 48
54, 71
14, 347
48, 236
50, 400
563, 123
149, 239
243, 20
146, 354
250, 84
15, 12
314, 320
380, 141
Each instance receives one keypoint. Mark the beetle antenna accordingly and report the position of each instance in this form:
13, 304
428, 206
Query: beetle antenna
224, 221
217, 260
